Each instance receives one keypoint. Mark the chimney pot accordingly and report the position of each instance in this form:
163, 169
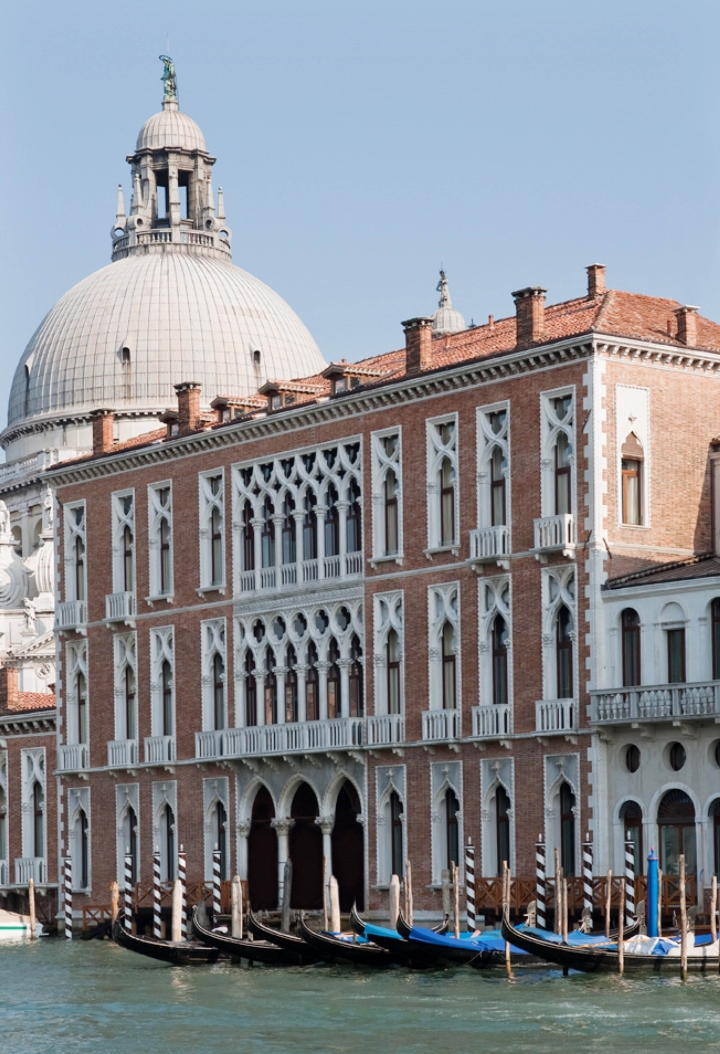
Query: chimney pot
103, 430
687, 325
596, 280
188, 393
418, 344
529, 315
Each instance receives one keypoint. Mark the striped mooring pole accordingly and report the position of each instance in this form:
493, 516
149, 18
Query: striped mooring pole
216, 884
540, 916
157, 929
67, 896
587, 855
629, 882
182, 875
470, 885
128, 892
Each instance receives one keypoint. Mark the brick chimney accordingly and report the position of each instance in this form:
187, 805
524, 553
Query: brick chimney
596, 280
188, 407
418, 344
103, 430
687, 325
8, 689
530, 315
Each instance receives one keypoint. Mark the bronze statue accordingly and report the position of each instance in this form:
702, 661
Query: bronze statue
168, 79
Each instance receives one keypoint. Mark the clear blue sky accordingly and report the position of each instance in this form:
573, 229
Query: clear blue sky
361, 143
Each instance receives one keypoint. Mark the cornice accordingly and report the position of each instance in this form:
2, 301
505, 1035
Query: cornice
22, 724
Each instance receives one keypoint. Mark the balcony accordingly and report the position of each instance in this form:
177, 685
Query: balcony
385, 730
290, 576
302, 737
556, 716
491, 722
73, 757
122, 753
490, 544
159, 750
208, 745
120, 607
657, 702
555, 534
4, 873
440, 725
29, 867
71, 614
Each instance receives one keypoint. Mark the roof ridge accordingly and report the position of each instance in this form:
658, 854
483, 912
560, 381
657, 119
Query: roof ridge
607, 300
645, 572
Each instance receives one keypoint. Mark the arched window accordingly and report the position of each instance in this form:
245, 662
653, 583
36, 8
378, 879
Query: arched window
167, 699
716, 639
390, 501
165, 552
248, 538
452, 837
392, 666
81, 861
631, 815
3, 825
500, 661
167, 847
250, 691
267, 535
312, 706
449, 678
567, 830
332, 523
631, 648
396, 835
354, 519
714, 814
82, 722
563, 454
310, 527
564, 653
502, 828
130, 839
355, 679
216, 534
219, 835
128, 560
333, 681
289, 551
498, 465
632, 461
38, 807
130, 711
270, 689
447, 501
291, 686
676, 823
218, 676
79, 561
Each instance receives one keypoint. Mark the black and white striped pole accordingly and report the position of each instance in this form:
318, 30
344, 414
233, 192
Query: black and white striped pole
470, 885
157, 920
587, 855
182, 875
67, 897
216, 885
629, 883
128, 892
540, 873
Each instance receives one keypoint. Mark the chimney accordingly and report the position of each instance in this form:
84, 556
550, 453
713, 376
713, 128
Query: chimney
8, 689
103, 430
530, 315
418, 344
188, 407
596, 280
687, 325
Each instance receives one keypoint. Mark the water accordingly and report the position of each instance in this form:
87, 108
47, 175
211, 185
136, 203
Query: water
95, 997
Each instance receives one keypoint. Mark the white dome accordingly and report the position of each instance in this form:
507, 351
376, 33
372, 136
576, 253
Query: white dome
170, 129
448, 320
182, 317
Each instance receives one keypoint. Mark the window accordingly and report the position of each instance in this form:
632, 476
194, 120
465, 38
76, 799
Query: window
567, 830
333, 681
125, 661
562, 474
270, 689
557, 453
167, 699
267, 535
129, 701
354, 519
162, 683
38, 811
123, 542
564, 651
289, 555
715, 629
396, 835
218, 668
500, 661
449, 700
355, 680
392, 664
312, 705
442, 483
81, 693
250, 691
632, 758
214, 679
128, 560
631, 470
630, 621
497, 488
676, 655
677, 756
160, 539
452, 846
332, 524
447, 502
248, 538
291, 686
79, 558
390, 499
310, 528
502, 828
212, 531
386, 467
631, 815
75, 555
676, 823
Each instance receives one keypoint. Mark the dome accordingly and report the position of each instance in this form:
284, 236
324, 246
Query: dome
123, 336
446, 319
170, 129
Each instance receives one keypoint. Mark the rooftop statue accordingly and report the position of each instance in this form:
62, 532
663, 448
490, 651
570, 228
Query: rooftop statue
168, 79
444, 291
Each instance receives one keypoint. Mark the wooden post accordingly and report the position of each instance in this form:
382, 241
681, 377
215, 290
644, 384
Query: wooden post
506, 913
564, 909
446, 905
287, 894
114, 901
621, 934
683, 918
326, 880
409, 909
456, 901
608, 902
176, 925
31, 908
67, 891
558, 892
334, 905
394, 901
157, 923
540, 881
236, 907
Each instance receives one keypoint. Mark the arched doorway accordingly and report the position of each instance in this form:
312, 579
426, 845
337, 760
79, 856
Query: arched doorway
263, 854
348, 849
631, 816
306, 850
676, 827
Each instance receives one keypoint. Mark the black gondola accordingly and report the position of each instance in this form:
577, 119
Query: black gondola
336, 950
289, 941
185, 953
260, 951
358, 925
404, 927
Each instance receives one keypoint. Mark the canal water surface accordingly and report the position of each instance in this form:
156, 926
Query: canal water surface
63, 998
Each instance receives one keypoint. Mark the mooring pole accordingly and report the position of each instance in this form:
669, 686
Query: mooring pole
394, 901
31, 908
216, 904
128, 892
621, 935
157, 917
409, 908
182, 875
287, 895
456, 900
540, 883
326, 881
176, 917
629, 884
114, 901
652, 912
334, 905
470, 886
506, 913
683, 918
67, 892
236, 907
587, 854
608, 902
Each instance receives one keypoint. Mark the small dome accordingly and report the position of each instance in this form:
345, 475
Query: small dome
446, 319
170, 129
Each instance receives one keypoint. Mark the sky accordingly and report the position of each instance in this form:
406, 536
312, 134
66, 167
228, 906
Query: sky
362, 144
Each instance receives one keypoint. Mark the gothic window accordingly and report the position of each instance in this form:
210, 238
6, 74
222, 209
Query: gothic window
312, 702
396, 835
267, 535
212, 530
452, 838
310, 527
564, 653
392, 663
500, 661
214, 674
449, 672
218, 669
563, 451
442, 483
632, 463
631, 648
167, 699
557, 458
38, 815
250, 691
497, 487
79, 559
332, 524
81, 695
123, 507
128, 540
160, 539
447, 502
354, 519
76, 575
291, 686
125, 659
502, 828
386, 469
567, 830
288, 532
355, 679
333, 680
129, 701
248, 538
270, 689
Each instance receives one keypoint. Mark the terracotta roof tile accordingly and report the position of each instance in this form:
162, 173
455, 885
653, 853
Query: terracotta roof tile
31, 701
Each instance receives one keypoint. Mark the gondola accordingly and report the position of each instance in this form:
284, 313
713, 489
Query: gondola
338, 950
439, 949
260, 951
653, 954
184, 953
358, 925
289, 941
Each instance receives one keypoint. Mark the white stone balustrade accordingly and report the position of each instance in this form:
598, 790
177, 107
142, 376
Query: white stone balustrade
489, 543
656, 702
208, 744
29, 867
4, 873
73, 757
159, 750
440, 724
122, 753
342, 733
491, 722
385, 729
119, 606
555, 532
556, 716
289, 576
71, 614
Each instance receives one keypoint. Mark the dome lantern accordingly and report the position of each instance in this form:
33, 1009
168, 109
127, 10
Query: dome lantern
446, 319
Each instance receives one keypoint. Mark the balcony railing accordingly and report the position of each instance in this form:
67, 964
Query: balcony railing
385, 730
440, 724
4, 873
159, 749
73, 757
555, 532
287, 576
71, 614
119, 606
29, 867
556, 716
122, 753
491, 722
342, 733
489, 544
656, 702
208, 744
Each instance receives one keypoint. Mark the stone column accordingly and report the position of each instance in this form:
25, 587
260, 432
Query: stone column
344, 666
277, 524
320, 511
243, 833
326, 824
299, 545
301, 671
280, 674
257, 524
259, 676
322, 669
282, 828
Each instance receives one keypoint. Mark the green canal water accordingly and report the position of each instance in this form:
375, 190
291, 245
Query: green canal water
95, 997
